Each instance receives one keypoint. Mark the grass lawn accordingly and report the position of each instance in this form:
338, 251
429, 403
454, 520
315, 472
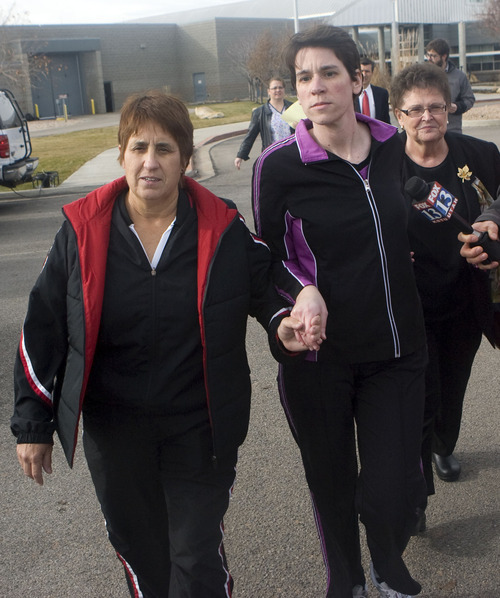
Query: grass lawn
67, 152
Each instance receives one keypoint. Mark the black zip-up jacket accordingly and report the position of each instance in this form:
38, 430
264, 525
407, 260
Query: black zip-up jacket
329, 226
62, 324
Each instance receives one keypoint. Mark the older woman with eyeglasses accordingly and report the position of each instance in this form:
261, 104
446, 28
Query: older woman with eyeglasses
454, 295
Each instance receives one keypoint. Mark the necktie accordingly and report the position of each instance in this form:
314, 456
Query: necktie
366, 104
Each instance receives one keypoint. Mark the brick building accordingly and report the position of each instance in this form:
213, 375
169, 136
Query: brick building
80, 68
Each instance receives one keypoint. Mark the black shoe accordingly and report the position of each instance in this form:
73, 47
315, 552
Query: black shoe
447, 468
421, 524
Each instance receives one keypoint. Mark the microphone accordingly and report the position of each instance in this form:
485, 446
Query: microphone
439, 206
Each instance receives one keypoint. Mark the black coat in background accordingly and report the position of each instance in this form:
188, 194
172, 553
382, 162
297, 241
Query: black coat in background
260, 123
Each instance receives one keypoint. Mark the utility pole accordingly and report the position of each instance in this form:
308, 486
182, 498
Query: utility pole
395, 39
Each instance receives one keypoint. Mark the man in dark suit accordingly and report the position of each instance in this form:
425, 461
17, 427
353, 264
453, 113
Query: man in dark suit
373, 100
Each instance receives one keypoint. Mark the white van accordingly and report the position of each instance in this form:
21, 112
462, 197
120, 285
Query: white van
16, 166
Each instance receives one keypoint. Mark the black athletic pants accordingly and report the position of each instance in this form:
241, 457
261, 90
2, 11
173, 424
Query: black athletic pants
452, 345
163, 501
328, 404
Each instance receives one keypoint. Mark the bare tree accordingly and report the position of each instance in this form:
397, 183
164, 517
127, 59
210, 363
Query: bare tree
10, 16
490, 16
258, 58
239, 55
10, 61
20, 71
266, 59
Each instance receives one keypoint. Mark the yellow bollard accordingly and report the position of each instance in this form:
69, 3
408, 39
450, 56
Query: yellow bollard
65, 112
93, 106
37, 113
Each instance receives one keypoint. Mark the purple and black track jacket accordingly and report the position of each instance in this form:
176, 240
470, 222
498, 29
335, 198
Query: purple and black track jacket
61, 328
345, 232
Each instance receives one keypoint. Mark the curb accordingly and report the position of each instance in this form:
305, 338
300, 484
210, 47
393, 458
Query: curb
47, 192
201, 162
481, 123
200, 168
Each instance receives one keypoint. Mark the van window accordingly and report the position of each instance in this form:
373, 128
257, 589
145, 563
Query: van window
8, 116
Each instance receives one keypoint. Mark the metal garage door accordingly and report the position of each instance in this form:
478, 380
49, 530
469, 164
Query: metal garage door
58, 85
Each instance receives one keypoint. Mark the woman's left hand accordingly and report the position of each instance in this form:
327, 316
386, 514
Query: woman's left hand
308, 304
295, 337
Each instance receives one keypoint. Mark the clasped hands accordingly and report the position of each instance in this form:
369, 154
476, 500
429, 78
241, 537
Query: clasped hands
305, 328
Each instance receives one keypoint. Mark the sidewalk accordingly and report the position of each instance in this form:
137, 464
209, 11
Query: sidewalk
105, 167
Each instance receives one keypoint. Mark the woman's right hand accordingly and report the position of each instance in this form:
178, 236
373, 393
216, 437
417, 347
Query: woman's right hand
35, 459
237, 162
474, 254
310, 303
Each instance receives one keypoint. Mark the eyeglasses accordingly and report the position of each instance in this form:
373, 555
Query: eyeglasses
418, 111
432, 56
275, 88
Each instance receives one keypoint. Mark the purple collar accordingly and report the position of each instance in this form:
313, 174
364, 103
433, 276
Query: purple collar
310, 151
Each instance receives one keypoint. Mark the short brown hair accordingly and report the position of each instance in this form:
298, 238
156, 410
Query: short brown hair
324, 36
439, 45
278, 78
159, 108
419, 76
365, 61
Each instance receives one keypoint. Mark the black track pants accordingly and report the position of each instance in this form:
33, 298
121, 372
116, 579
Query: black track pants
163, 501
331, 405
452, 344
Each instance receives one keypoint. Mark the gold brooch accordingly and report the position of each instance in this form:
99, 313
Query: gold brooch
464, 173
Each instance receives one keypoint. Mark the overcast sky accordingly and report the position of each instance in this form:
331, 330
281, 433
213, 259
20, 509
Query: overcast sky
56, 12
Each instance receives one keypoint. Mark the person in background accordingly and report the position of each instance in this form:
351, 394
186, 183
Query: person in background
455, 297
328, 201
266, 121
373, 100
138, 319
437, 51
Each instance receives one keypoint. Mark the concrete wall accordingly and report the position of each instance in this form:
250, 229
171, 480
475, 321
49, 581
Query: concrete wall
131, 57
197, 48
92, 82
138, 56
